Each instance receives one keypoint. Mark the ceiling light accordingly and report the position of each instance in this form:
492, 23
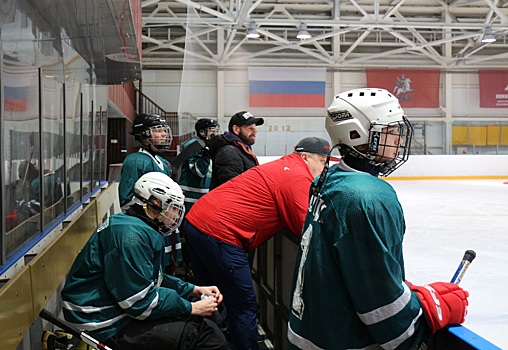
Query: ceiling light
488, 37
303, 33
252, 32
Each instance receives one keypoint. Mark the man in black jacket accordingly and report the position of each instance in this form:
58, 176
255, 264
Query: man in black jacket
231, 152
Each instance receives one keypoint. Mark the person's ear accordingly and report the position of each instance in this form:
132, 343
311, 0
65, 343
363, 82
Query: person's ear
156, 202
236, 129
362, 148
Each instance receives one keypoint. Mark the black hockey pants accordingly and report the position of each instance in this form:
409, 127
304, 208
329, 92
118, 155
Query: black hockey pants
170, 334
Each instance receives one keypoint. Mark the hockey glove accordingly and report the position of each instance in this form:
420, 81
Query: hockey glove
444, 303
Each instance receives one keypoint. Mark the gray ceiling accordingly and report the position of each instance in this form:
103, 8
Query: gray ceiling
348, 35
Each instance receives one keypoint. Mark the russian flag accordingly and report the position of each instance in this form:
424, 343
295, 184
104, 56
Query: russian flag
15, 98
287, 87
15, 92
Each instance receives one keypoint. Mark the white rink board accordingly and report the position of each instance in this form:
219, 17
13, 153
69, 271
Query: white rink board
454, 165
445, 165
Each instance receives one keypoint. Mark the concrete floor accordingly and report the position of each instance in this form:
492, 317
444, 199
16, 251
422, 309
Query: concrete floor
445, 218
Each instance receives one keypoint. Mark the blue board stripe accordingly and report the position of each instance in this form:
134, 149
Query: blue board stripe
471, 338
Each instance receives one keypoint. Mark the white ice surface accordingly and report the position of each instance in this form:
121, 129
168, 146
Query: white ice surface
445, 218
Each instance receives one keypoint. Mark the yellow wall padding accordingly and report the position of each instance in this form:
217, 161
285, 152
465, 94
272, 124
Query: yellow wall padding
16, 309
493, 135
459, 135
504, 135
477, 135
474, 135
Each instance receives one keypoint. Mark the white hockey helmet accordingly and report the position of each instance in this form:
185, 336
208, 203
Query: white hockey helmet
360, 117
156, 185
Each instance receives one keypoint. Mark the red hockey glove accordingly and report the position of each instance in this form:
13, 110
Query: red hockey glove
444, 303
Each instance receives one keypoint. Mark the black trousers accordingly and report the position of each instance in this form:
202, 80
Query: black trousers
170, 334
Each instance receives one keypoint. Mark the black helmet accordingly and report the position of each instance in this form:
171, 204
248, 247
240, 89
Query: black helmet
204, 125
27, 171
143, 127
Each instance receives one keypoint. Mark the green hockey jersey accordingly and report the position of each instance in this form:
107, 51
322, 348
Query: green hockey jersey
118, 277
53, 191
196, 175
348, 288
134, 166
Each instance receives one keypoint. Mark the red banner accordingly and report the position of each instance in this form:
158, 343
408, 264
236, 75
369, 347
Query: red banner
414, 88
493, 88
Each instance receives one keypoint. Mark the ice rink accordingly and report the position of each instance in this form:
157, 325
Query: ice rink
445, 218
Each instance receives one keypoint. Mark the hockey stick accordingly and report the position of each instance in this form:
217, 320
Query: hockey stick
72, 330
176, 165
32, 149
467, 259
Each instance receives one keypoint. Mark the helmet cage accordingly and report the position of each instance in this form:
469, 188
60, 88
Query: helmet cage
149, 127
174, 213
207, 133
152, 135
205, 126
160, 187
378, 148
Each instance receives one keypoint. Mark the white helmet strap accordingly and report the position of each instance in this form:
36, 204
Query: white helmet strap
147, 202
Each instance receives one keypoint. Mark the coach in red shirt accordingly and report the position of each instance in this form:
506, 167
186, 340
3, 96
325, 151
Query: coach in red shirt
242, 214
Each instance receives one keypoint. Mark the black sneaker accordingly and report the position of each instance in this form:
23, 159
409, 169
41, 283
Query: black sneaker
60, 340
57, 340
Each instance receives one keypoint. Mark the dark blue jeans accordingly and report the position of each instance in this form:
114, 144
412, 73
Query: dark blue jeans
227, 267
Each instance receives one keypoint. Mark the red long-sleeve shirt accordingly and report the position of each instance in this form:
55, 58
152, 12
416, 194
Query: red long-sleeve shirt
250, 208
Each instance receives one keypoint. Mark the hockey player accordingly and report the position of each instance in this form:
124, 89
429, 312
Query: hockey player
154, 135
349, 288
28, 196
196, 174
117, 291
239, 216
196, 171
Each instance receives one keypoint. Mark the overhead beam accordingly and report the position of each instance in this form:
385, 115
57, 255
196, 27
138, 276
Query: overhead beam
206, 9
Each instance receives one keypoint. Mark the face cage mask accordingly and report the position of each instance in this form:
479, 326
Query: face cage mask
206, 133
161, 145
402, 149
405, 133
174, 214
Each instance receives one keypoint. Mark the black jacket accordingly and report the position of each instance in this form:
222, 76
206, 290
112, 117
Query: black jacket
230, 157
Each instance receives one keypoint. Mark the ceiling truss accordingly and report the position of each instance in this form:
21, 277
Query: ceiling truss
347, 35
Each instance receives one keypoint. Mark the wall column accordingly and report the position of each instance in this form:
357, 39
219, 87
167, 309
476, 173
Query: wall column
220, 97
